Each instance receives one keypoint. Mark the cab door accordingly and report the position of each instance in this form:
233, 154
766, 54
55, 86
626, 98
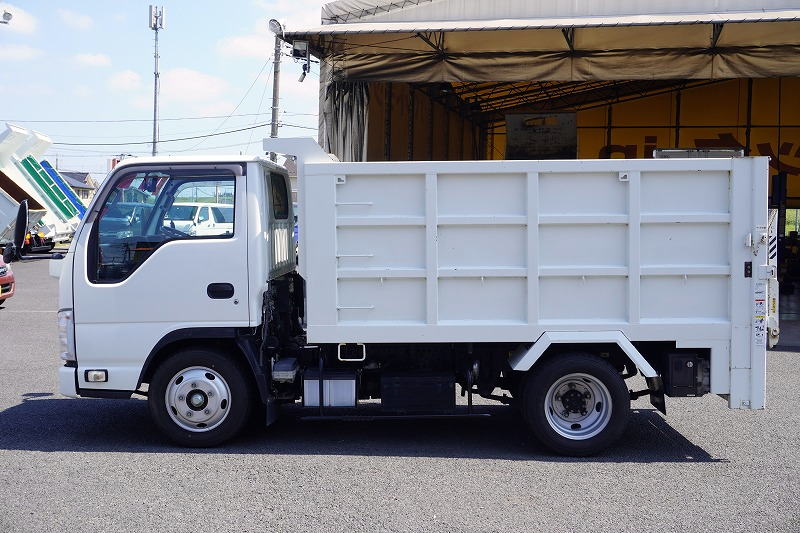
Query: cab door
133, 286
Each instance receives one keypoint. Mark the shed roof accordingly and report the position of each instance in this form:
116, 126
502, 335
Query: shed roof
348, 11
77, 180
546, 23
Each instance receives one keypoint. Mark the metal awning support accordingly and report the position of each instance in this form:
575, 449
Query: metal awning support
716, 31
569, 36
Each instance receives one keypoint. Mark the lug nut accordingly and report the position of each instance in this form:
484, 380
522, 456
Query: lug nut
180, 398
206, 411
210, 394
565, 413
571, 385
587, 395
189, 414
194, 385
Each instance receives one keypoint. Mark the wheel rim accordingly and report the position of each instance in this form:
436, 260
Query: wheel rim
578, 406
198, 399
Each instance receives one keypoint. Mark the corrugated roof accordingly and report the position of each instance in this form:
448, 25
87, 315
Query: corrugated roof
76, 180
546, 23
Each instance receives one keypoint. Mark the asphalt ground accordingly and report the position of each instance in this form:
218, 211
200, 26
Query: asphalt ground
99, 465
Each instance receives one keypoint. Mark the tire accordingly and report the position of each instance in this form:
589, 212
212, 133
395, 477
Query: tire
575, 404
200, 398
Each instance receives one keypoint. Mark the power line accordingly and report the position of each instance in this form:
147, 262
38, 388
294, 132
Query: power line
186, 138
122, 120
203, 139
260, 103
109, 153
192, 132
164, 140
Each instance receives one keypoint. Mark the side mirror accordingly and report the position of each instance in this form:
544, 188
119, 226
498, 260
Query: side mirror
9, 253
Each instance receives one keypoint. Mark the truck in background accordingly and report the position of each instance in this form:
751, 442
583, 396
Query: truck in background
54, 215
545, 284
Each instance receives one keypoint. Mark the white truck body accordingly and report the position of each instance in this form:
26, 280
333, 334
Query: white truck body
415, 276
498, 251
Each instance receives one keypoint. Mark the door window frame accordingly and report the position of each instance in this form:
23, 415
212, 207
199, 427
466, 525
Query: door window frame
237, 170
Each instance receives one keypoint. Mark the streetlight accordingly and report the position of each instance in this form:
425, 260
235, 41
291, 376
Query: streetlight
276, 28
6, 17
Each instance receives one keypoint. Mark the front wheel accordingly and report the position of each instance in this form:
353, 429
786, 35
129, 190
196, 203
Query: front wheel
200, 398
576, 404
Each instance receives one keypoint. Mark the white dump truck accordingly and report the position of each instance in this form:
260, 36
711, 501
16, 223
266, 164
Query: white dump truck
543, 284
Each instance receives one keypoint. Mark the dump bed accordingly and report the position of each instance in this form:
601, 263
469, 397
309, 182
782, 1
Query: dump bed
503, 251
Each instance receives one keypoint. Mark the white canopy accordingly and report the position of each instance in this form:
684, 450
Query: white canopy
429, 41
547, 23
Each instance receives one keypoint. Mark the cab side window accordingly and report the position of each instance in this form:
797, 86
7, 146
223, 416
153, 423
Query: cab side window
280, 197
147, 209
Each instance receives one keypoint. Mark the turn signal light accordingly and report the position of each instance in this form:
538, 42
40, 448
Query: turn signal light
96, 376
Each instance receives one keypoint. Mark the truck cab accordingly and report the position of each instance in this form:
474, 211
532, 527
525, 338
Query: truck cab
154, 284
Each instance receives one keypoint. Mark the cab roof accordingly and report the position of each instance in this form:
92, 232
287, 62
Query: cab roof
199, 159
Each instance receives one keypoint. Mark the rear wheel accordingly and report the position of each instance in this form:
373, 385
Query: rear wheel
200, 398
576, 404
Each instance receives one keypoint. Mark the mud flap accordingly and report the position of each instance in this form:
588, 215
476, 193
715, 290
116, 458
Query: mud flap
271, 410
656, 386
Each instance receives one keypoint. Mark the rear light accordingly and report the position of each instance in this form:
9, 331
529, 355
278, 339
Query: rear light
66, 335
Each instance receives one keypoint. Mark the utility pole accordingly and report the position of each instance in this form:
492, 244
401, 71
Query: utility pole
277, 28
156, 23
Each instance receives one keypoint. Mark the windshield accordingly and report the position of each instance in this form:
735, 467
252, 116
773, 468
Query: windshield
119, 211
223, 214
181, 212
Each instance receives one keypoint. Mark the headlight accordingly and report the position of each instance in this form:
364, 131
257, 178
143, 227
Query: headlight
66, 335
3, 270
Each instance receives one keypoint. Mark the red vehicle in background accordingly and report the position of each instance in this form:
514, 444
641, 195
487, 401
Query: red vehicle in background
7, 283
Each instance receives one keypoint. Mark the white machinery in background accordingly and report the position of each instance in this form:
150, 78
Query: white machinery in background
22, 178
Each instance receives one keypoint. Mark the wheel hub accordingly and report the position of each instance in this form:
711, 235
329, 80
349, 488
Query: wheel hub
198, 399
578, 406
573, 401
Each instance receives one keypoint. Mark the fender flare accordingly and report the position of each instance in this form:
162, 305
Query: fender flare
526, 356
244, 343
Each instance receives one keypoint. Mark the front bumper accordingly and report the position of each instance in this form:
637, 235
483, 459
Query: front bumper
67, 381
7, 287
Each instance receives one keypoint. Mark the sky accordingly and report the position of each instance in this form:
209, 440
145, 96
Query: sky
92, 61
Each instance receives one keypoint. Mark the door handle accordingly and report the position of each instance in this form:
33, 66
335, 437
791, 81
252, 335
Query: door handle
220, 291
